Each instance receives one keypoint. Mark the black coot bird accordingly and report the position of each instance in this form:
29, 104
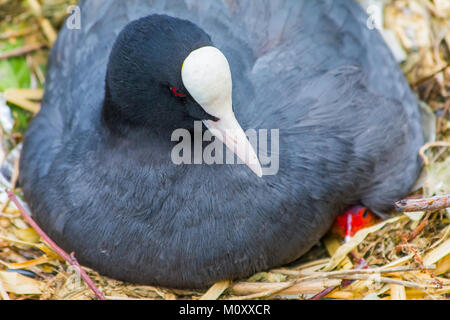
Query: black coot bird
96, 167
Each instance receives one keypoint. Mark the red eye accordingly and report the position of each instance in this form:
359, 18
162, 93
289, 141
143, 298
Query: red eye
176, 93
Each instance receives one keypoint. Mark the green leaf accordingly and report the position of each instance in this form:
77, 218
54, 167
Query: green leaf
14, 72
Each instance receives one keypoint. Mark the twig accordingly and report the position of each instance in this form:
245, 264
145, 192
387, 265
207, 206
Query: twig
419, 260
289, 272
323, 293
16, 34
20, 99
354, 274
362, 265
21, 51
266, 294
382, 270
265, 290
420, 227
344, 273
388, 280
442, 117
69, 258
216, 290
311, 287
128, 298
36, 69
431, 204
406, 238
45, 24
429, 145
420, 81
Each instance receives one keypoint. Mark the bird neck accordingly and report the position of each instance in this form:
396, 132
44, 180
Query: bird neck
114, 117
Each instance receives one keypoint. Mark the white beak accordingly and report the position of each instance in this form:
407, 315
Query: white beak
231, 134
206, 75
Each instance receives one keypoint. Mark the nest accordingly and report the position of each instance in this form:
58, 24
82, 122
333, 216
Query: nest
405, 257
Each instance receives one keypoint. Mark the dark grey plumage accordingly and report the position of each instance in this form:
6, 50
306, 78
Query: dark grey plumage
349, 133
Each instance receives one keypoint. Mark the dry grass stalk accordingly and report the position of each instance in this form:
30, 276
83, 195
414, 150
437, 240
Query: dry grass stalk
251, 289
21, 51
216, 291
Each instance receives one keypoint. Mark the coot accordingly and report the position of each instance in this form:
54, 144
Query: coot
97, 165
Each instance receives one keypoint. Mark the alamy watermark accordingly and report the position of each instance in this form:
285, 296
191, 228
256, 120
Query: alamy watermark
189, 149
73, 21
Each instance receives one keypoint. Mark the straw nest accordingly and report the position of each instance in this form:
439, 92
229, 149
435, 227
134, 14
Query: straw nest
407, 255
